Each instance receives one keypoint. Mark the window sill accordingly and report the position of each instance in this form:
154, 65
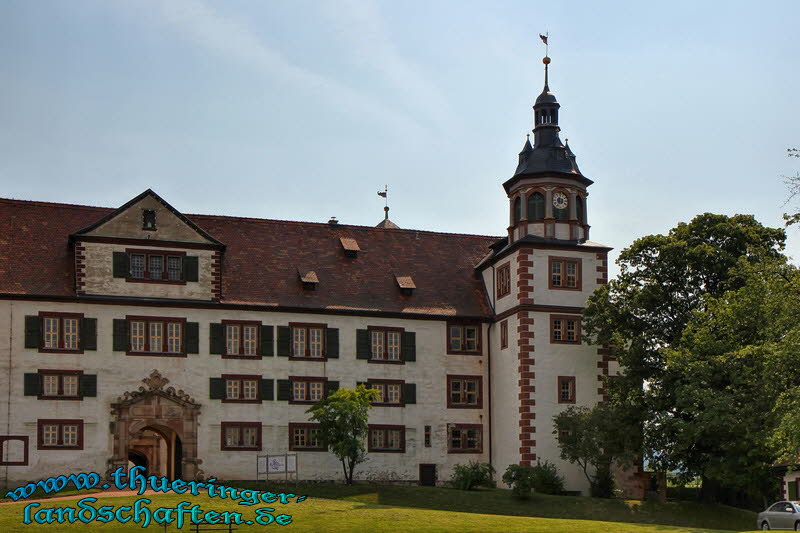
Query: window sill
464, 406
575, 343
302, 402
69, 398
241, 448
385, 450
241, 401
386, 404
61, 350
156, 354
313, 359
553, 288
464, 353
253, 357
386, 362
477, 451
158, 281
43, 447
299, 449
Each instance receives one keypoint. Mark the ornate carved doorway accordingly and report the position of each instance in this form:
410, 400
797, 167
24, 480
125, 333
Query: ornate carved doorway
159, 424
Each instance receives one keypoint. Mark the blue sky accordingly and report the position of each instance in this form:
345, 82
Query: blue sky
302, 110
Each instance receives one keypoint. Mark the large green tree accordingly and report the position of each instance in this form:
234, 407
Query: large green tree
343, 420
665, 283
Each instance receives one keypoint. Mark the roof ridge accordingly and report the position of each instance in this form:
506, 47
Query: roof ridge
262, 220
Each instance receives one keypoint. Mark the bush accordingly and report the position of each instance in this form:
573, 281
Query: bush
471, 475
545, 478
520, 479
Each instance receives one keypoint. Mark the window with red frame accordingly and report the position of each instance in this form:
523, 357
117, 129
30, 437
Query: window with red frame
566, 389
504, 280
155, 266
308, 341
241, 388
241, 338
565, 329
565, 273
463, 438
60, 384
386, 438
310, 391
61, 332
464, 391
155, 335
60, 434
241, 435
385, 344
463, 339
305, 437
389, 392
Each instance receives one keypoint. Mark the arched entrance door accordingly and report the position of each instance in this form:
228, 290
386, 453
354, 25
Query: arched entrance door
160, 424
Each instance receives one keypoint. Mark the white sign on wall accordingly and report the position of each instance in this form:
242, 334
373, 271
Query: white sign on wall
277, 464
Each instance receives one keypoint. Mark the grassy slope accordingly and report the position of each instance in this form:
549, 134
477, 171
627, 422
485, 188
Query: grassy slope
318, 515
688, 514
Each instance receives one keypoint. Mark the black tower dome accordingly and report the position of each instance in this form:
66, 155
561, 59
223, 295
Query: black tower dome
548, 155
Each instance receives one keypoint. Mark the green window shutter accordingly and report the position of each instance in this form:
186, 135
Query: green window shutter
191, 268
331, 387
362, 344
33, 384
88, 385
792, 486
121, 267
216, 343
332, 343
284, 342
192, 337
89, 334
266, 390
408, 346
409, 393
33, 331
267, 341
120, 335
284, 390
216, 387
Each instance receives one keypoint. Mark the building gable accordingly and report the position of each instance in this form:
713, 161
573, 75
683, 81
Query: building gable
150, 217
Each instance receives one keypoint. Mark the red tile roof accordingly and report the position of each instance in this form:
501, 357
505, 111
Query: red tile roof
262, 259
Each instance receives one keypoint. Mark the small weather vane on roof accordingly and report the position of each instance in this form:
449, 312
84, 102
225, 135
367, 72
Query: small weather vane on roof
546, 44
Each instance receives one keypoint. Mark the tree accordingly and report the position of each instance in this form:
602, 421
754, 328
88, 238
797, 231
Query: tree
594, 439
793, 184
342, 417
664, 282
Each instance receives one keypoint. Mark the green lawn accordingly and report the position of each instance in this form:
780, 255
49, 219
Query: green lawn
498, 501
320, 515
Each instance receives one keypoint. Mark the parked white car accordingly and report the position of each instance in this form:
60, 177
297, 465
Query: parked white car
781, 515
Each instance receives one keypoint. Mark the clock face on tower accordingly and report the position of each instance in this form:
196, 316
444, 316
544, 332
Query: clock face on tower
560, 200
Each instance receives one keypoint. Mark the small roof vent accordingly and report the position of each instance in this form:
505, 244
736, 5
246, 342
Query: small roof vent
350, 246
333, 221
309, 279
406, 284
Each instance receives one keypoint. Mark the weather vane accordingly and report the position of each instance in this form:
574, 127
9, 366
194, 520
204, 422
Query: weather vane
385, 194
546, 45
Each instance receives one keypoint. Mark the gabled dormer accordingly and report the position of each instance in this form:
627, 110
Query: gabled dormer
147, 249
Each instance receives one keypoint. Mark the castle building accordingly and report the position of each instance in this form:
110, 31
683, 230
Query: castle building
192, 344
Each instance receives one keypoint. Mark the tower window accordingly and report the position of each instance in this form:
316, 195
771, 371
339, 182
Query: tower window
579, 209
517, 210
536, 206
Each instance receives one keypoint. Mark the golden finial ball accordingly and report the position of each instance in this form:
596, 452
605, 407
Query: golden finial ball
546, 60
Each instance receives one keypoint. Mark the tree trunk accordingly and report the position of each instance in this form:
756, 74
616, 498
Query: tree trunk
344, 469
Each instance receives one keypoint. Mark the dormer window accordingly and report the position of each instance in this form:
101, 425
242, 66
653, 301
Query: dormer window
309, 279
350, 246
406, 284
149, 219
